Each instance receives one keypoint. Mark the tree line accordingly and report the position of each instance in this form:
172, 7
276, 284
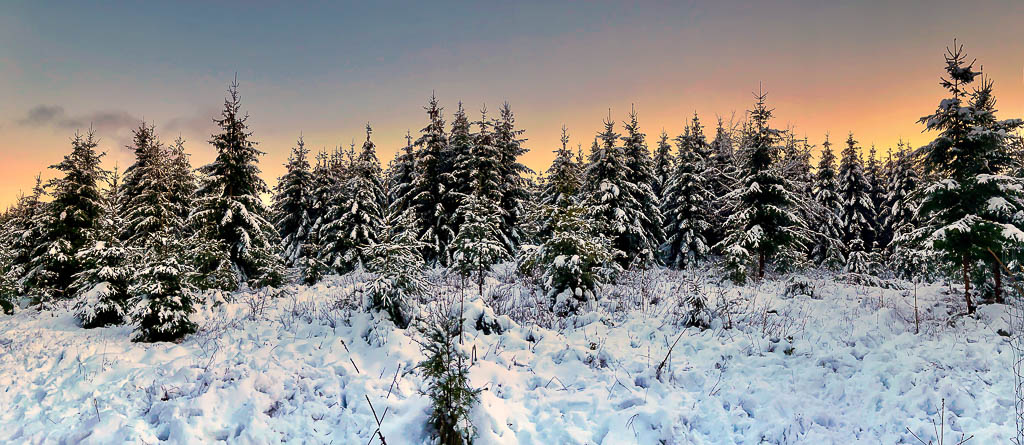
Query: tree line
136, 247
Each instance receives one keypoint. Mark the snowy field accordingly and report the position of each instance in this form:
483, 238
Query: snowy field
840, 366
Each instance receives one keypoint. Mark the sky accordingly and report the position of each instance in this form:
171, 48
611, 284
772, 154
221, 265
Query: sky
324, 70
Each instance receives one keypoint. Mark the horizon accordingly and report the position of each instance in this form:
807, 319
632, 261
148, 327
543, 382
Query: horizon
301, 72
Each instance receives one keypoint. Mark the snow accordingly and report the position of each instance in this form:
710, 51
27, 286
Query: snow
841, 366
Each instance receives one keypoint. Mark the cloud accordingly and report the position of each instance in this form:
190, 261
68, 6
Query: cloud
55, 116
42, 115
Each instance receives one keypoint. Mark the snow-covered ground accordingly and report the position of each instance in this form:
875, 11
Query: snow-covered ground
843, 366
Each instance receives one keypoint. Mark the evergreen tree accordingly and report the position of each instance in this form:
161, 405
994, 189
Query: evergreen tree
563, 180
723, 178
687, 207
899, 204
293, 204
640, 176
828, 250
856, 210
101, 289
162, 299
73, 216
763, 222
478, 246
360, 222
146, 207
664, 164
23, 236
511, 181
971, 204
433, 195
182, 181
398, 268
575, 260
609, 193
229, 208
876, 191
401, 171
460, 147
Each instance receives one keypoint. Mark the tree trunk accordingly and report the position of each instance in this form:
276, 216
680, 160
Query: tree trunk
760, 265
998, 272
967, 283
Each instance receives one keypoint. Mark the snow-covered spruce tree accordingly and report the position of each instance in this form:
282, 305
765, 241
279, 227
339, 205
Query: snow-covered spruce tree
147, 206
446, 370
162, 298
563, 179
511, 181
460, 148
401, 171
640, 175
22, 236
433, 196
293, 204
182, 180
575, 259
482, 168
74, 214
229, 208
687, 208
899, 214
972, 204
723, 172
479, 245
363, 210
829, 250
397, 265
763, 221
856, 211
101, 290
664, 164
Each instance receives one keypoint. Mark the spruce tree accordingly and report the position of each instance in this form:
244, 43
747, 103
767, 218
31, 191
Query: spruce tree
362, 220
73, 216
640, 175
971, 203
829, 250
856, 210
575, 260
400, 175
162, 298
512, 184
229, 208
460, 147
147, 207
293, 204
875, 176
613, 198
433, 196
763, 221
397, 266
664, 164
723, 179
478, 246
101, 290
23, 236
687, 207
563, 179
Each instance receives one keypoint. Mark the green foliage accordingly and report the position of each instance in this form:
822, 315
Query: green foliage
446, 370
397, 266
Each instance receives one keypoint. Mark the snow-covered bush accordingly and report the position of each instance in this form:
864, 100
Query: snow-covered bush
397, 267
575, 259
102, 289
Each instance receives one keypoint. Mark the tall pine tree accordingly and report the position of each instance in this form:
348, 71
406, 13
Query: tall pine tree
229, 208
293, 204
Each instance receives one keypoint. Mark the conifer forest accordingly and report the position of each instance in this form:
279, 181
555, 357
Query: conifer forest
740, 282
